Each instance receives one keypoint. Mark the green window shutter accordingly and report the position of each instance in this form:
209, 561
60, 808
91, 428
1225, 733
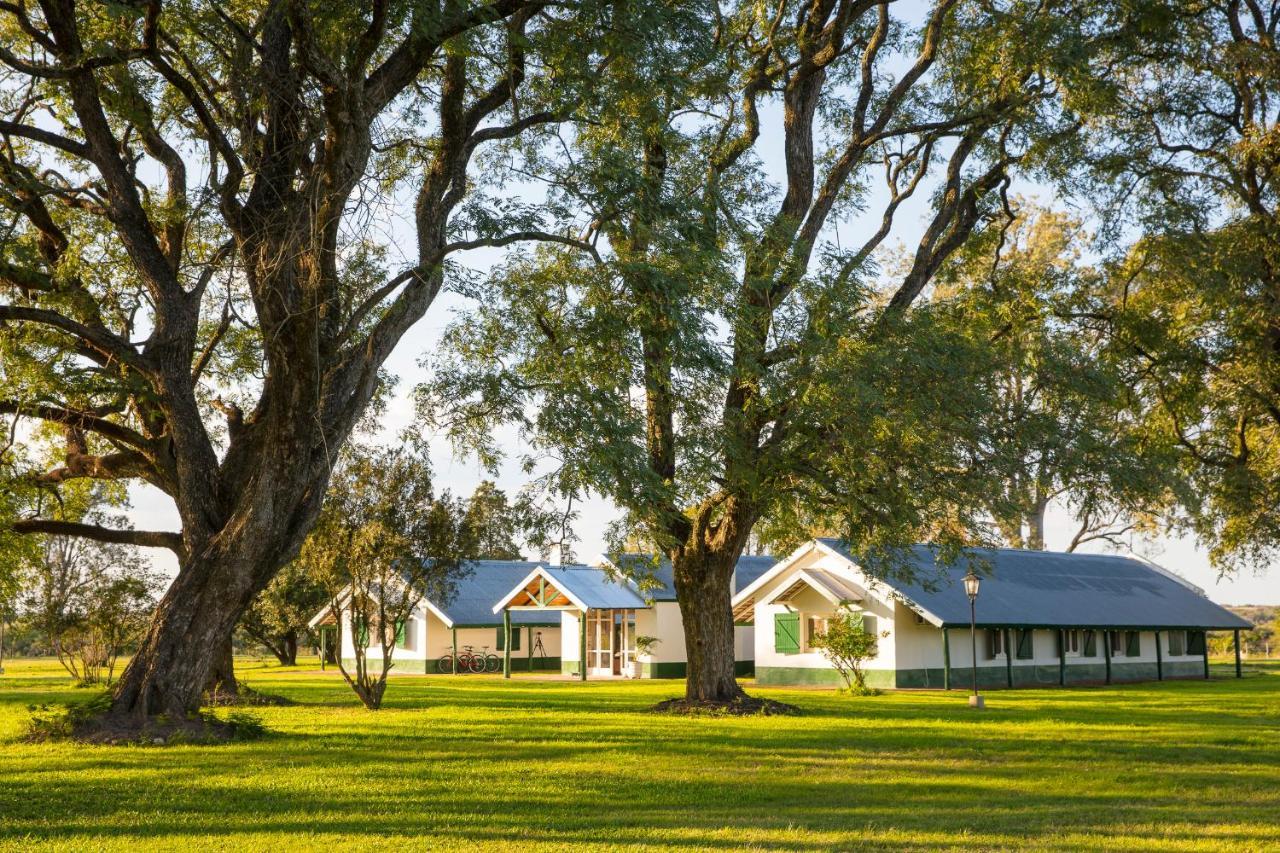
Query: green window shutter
1132, 644
1091, 644
1177, 642
362, 632
400, 633
786, 633
1195, 642
1026, 646
515, 639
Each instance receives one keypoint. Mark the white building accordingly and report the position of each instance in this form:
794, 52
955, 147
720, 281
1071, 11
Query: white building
437, 629
1043, 618
602, 610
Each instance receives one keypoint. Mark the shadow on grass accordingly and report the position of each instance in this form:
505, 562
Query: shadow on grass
486, 762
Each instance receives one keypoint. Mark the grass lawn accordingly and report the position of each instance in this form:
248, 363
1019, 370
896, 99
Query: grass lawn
473, 762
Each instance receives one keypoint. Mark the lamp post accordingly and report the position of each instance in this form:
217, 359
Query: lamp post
971, 582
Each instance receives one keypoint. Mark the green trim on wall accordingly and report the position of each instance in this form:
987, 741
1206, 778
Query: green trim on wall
432, 666
989, 677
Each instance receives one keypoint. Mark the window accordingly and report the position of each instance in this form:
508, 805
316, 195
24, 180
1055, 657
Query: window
403, 634
515, 638
1071, 642
786, 633
1117, 643
1195, 643
1090, 644
1026, 645
1177, 643
995, 643
1132, 644
814, 626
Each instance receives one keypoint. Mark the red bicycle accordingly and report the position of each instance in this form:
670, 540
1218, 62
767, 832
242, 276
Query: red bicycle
469, 660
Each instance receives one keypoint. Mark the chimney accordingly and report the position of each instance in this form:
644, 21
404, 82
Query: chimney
555, 554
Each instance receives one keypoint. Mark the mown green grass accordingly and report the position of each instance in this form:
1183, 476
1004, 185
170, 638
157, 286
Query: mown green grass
476, 763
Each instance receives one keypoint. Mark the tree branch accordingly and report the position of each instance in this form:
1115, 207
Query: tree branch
98, 533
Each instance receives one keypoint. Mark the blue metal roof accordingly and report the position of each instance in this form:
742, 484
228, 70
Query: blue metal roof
658, 581
590, 586
488, 581
1047, 589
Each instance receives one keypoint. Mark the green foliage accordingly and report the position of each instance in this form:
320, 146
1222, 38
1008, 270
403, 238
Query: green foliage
1189, 159
847, 644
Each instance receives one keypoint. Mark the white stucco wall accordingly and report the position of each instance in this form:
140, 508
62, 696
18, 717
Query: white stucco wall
874, 604
428, 638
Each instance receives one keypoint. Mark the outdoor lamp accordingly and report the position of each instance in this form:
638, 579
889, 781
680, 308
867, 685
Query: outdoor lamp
971, 582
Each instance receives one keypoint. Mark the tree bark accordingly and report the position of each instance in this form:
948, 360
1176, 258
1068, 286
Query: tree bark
703, 584
222, 672
288, 654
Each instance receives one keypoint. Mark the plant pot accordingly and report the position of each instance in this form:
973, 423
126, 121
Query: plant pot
637, 669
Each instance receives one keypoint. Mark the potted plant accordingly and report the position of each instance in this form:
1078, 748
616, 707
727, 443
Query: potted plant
644, 646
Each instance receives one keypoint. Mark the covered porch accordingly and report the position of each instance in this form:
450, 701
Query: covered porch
604, 613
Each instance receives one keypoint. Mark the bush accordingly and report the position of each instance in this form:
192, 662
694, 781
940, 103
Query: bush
848, 644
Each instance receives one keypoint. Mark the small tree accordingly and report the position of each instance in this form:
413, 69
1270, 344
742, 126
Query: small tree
277, 618
383, 542
848, 644
92, 601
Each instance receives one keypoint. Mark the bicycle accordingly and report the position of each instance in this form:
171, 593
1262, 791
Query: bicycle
489, 662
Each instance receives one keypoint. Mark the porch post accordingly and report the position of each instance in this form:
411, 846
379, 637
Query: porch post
582, 646
1008, 658
506, 643
1062, 657
1159, 659
946, 660
1237, 645
1206, 655
1106, 652
454, 629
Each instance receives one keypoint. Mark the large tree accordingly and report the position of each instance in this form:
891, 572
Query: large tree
1062, 431
199, 276
729, 349
1189, 163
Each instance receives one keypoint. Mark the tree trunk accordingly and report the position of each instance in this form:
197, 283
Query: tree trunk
330, 649
222, 673
289, 649
1035, 527
703, 584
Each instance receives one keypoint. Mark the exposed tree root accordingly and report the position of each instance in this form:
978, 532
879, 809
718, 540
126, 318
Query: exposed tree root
740, 706
246, 697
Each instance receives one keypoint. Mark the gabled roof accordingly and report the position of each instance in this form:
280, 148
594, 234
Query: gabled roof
573, 587
746, 571
1048, 589
489, 580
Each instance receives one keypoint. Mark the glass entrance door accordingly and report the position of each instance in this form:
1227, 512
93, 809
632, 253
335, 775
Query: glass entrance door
624, 641
600, 641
